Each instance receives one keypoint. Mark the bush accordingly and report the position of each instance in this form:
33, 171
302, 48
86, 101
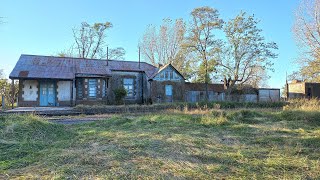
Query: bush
119, 94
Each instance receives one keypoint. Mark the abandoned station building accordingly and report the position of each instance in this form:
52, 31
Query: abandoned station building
64, 81
301, 89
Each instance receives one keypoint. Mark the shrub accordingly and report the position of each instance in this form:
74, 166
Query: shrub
119, 93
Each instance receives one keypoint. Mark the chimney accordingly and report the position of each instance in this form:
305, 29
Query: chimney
296, 81
160, 65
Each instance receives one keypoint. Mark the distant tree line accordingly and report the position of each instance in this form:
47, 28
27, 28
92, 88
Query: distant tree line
206, 49
209, 49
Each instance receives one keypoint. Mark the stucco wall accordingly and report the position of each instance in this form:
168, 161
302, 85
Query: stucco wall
64, 90
30, 90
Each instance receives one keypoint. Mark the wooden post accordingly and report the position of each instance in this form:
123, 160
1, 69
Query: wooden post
139, 57
12, 93
107, 55
72, 92
287, 87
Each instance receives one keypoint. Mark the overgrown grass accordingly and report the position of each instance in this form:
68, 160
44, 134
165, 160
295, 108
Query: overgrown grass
303, 104
94, 109
192, 144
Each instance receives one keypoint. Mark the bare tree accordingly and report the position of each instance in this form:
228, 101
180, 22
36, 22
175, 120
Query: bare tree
162, 45
201, 38
245, 56
90, 40
115, 54
90, 43
307, 32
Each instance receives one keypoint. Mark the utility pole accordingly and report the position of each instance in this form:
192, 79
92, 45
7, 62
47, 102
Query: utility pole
107, 55
287, 87
206, 75
139, 57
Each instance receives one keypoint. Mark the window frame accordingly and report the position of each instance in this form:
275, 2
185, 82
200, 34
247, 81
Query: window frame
79, 88
104, 87
129, 87
92, 88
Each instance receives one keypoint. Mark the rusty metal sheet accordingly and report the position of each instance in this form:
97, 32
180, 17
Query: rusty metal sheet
67, 68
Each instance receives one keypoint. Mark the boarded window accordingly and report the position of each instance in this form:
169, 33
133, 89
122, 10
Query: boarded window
128, 86
161, 75
92, 88
171, 75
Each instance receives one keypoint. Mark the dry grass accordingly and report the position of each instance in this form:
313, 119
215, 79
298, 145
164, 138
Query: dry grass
303, 104
202, 144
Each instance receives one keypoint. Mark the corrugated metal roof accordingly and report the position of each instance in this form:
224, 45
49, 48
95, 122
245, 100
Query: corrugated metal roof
132, 66
34, 66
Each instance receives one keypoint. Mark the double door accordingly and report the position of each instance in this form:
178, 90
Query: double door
47, 93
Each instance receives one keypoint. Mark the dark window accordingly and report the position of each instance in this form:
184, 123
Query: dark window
79, 88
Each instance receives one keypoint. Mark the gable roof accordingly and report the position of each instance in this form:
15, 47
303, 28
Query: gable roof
34, 66
164, 67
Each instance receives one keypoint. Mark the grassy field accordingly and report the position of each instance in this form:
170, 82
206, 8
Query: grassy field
230, 144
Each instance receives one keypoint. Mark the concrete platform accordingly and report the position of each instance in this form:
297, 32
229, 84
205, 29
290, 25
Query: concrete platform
49, 111
38, 109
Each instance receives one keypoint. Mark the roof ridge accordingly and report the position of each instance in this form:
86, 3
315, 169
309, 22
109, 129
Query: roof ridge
88, 59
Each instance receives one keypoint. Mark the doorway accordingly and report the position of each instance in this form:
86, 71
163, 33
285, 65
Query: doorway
168, 89
47, 93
